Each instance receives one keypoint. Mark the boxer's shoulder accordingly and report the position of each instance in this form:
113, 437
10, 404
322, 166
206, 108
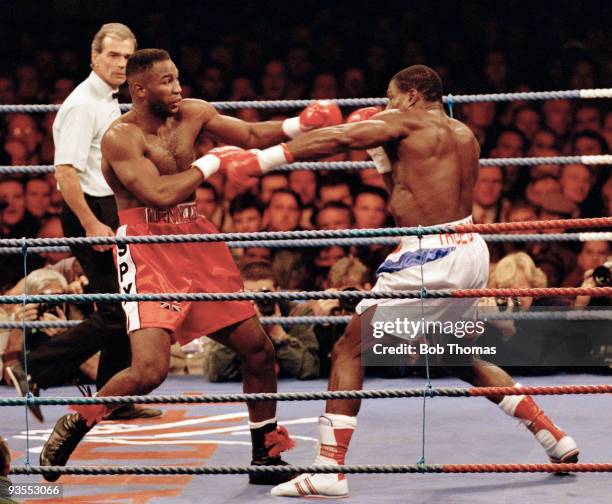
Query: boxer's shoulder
192, 108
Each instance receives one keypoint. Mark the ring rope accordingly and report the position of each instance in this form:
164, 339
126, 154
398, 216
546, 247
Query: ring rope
363, 102
294, 296
321, 469
313, 396
603, 159
329, 233
347, 242
344, 319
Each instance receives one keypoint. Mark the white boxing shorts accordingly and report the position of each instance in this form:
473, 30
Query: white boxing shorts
440, 261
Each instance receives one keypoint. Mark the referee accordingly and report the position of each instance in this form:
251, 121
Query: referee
89, 205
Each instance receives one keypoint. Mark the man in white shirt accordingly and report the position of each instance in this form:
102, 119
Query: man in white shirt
89, 205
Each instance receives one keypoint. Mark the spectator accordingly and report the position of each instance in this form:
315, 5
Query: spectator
271, 182
370, 207
242, 89
544, 139
48, 364
353, 83
592, 254
5, 468
539, 171
17, 151
325, 87
479, 117
557, 116
209, 204
576, 181
15, 220
528, 121
299, 66
246, 212
607, 130
52, 228
588, 143
587, 117
283, 211
334, 188
211, 83
7, 90
333, 215
496, 71
24, 127
541, 186
274, 81
304, 183
297, 350
346, 274
37, 197
320, 261
510, 143
256, 254
489, 205
517, 271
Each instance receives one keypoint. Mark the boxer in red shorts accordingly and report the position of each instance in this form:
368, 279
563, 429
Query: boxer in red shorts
148, 161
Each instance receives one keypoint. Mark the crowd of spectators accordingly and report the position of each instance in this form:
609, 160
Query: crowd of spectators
312, 58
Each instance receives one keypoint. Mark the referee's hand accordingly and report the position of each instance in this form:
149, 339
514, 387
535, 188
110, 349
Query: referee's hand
97, 229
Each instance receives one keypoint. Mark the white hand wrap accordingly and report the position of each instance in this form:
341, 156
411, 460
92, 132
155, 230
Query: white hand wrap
271, 158
381, 160
208, 165
291, 127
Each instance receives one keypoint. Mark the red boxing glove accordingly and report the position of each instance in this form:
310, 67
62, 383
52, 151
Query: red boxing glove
317, 114
214, 159
244, 168
362, 114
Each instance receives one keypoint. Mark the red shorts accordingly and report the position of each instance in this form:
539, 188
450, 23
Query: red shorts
177, 267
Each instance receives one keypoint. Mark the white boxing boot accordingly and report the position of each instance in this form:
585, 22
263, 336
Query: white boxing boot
335, 432
559, 447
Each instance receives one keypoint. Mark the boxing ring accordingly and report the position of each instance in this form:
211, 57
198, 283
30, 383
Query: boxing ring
395, 437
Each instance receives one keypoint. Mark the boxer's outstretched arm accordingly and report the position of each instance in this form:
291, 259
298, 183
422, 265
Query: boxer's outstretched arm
359, 135
233, 131
123, 149
258, 135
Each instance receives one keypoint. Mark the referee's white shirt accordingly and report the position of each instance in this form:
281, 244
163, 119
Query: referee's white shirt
78, 128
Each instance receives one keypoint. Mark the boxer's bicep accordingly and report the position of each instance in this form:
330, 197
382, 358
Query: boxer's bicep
137, 173
372, 133
230, 130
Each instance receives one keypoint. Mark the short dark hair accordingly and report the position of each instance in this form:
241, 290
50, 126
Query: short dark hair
422, 78
333, 205
377, 191
335, 180
212, 188
144, 59
285, 190
245, 201
593, 135
256, 271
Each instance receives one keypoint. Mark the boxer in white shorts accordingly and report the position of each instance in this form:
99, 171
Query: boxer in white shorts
430, 164
439, 261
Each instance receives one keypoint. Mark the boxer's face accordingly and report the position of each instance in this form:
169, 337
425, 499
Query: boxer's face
162, 88
400, 100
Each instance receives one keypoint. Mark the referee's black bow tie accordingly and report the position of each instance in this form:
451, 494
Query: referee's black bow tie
115, 96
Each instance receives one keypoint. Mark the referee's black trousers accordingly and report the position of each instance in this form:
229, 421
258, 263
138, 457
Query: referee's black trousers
57, 361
